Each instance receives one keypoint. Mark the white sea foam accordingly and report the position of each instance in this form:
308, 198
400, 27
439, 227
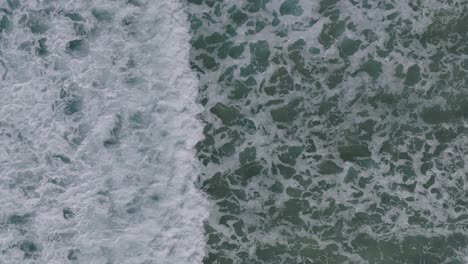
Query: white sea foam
97, 136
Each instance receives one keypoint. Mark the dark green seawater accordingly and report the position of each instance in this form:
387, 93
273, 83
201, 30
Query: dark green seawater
335, 131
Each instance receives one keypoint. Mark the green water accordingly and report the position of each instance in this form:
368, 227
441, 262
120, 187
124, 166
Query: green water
335, 131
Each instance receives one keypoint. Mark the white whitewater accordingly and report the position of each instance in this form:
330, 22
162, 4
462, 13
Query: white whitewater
97, 129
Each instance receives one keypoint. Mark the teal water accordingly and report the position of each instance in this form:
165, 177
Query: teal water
335, 131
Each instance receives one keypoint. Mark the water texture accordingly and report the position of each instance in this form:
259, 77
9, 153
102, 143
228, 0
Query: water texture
335, 131
97, 129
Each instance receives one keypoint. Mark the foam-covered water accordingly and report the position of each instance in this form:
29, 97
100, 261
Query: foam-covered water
97, 128
335, 130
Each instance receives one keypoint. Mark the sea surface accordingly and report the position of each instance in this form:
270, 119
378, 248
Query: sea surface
97, 129
335, 131
233, 131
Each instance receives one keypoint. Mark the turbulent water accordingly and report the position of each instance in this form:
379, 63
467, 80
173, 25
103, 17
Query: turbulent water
335, 131
233, 132
97, 129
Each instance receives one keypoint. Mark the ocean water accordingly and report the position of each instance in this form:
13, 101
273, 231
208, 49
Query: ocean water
335, 131
233, 131
97, 132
